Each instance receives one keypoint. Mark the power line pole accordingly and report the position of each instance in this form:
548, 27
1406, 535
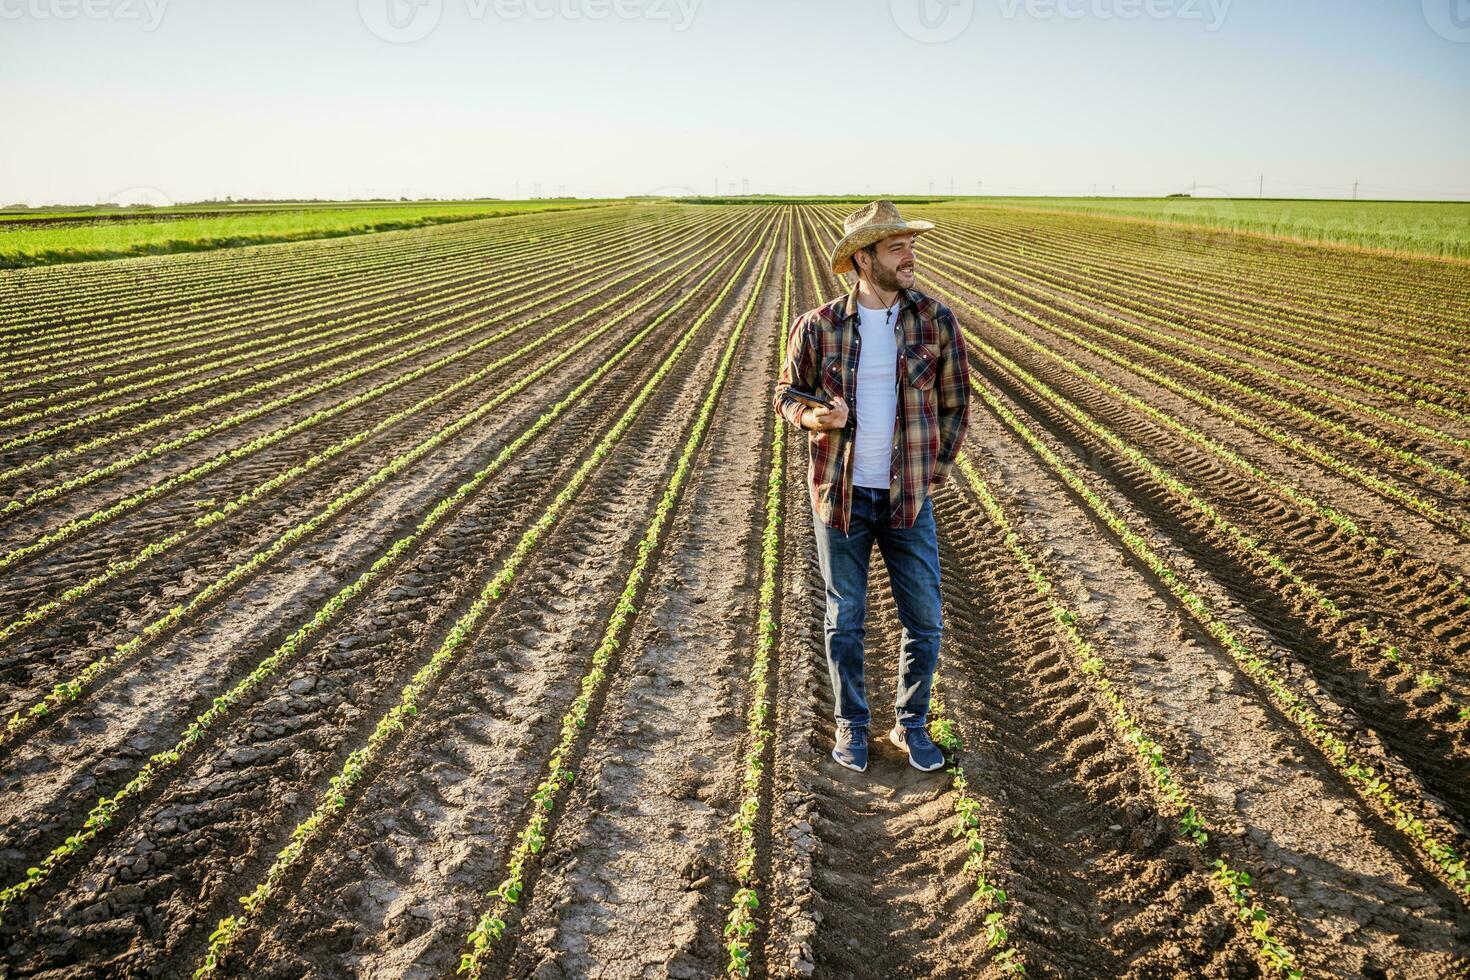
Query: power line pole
1355, 188
1261, 188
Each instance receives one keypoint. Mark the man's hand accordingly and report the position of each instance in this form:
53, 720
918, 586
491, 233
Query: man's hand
821, 419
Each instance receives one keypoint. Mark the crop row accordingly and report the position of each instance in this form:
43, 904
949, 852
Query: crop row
183, 315
1230, 273
1406, 498
106, 810
174, 329
1170, 794
1375, 788
156, 275
1337, 608
110, 512
297, 470
186, 317
945, 732
740, 921
1179, 489
1249, 337
1154, 348
1283, 489
252, 349
1127, 276
121, 293
466, 307
491, 926
1327, 286
77, 684
1403, 294
420, 689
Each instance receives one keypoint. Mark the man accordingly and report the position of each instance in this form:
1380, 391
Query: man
892, 361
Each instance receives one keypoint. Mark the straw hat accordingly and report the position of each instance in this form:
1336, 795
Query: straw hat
867, 225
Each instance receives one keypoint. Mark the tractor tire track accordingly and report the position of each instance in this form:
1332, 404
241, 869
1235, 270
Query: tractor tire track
1363, 901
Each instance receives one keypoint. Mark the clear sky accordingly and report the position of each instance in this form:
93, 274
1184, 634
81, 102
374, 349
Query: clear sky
178, 100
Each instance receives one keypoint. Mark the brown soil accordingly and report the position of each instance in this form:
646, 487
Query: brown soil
859, 875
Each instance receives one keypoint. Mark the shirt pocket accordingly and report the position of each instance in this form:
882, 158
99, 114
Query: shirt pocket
921, 364
831, 379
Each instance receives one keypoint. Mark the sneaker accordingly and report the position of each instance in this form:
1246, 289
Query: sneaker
924, 755
852, 748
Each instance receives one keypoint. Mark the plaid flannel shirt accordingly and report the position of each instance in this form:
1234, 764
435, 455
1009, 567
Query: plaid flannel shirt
933, 377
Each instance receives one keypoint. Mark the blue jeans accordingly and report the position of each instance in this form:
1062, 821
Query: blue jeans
912, 558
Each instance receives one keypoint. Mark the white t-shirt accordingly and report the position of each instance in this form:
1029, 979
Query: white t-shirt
876, 397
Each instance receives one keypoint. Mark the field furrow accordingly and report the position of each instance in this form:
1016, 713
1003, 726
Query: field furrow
445, 601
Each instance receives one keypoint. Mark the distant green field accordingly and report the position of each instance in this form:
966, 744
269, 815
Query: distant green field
118, 212
1427, 227
44, 237
776, 199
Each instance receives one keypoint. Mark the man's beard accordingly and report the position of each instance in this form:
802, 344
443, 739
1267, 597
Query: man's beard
885, 279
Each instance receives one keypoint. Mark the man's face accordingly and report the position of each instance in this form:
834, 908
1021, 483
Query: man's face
892, 264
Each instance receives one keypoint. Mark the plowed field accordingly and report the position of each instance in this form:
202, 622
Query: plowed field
446, 600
